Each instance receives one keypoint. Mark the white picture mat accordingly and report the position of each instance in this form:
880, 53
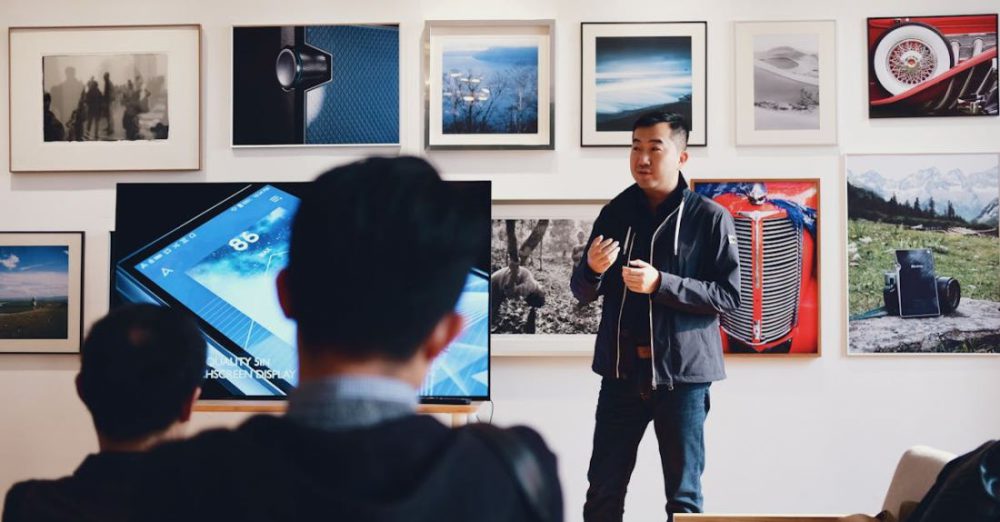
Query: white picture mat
544, 345
74, 242
180, 151
439, 35
590, 32
743, 39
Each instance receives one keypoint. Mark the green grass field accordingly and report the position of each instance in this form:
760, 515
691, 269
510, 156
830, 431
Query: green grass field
48, 321
973, 260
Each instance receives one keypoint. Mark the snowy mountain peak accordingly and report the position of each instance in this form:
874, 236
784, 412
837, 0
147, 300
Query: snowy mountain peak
990, 214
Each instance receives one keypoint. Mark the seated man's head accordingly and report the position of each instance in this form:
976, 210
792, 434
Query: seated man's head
141, 369
380, 252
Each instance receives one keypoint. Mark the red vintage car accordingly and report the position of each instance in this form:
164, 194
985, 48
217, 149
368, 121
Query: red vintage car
932, 66
776, 234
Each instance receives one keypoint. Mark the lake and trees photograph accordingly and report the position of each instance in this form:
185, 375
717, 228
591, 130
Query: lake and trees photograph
490, 85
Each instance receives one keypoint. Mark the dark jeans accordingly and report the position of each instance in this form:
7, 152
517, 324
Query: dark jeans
623, 414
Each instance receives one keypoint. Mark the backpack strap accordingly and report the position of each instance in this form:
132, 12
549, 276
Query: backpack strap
522, 464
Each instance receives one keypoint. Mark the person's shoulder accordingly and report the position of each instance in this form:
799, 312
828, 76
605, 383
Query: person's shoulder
527, 437
623, 204
189, 468
543, 481
209, 445
706, 205
703, 202
25, 498
625, 198
532, 439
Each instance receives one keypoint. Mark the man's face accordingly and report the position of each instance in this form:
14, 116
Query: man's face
655, 158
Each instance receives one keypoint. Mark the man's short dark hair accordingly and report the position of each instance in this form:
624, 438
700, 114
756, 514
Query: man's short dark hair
139, 367
380, 252
679, 128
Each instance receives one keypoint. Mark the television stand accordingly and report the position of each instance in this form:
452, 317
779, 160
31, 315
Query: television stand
459, 412
444, 400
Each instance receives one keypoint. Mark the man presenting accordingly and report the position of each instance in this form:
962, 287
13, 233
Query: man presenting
666, 261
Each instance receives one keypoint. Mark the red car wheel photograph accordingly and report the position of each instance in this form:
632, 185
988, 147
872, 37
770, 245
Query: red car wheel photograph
932, 66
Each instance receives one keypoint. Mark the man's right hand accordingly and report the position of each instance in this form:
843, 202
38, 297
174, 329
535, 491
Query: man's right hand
602, 254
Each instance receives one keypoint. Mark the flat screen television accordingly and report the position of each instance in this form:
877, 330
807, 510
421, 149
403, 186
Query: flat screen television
213, 250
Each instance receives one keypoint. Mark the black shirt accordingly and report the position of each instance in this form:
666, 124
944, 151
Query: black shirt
635, 314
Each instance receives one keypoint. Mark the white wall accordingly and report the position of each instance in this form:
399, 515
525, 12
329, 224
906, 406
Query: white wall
805, 435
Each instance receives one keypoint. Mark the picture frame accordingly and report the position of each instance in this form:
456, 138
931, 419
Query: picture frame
779, 230
41, 292
559, 320
330, 85
929, 66
946, 227
489, 85
786, 82
114, 98
626, 57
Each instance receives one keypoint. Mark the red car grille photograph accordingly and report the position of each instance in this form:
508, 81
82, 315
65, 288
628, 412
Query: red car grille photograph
769, 275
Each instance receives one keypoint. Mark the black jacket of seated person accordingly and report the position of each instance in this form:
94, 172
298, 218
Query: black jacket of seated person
410, 469
96, 491
966, 490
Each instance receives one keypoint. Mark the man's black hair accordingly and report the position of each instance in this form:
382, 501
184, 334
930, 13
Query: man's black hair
139, 367
679, 128
380, 252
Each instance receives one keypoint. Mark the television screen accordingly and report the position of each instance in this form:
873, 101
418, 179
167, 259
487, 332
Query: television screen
213, 250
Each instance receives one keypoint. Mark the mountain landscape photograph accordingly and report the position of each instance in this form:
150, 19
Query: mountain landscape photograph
944, 203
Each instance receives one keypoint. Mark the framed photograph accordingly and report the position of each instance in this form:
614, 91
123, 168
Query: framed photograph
112, 98
41, 292
535, 245
932, 66
777, 230
489, 85
923, 254
627, 69
786, 83
316, 85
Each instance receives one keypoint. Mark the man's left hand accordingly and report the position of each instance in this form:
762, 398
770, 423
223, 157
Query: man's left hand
640, 277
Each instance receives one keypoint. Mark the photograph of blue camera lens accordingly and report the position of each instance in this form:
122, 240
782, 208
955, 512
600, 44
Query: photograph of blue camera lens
316, 85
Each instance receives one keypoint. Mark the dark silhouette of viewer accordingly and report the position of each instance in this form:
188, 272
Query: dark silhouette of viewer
52, 128
140, 373
379, 254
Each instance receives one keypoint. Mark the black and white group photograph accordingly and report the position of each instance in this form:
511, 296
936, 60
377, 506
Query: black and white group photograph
105, 97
